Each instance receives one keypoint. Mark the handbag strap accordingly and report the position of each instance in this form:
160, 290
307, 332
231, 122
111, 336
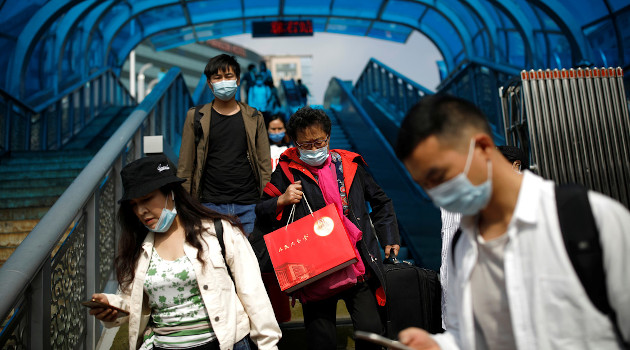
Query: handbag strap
292, 212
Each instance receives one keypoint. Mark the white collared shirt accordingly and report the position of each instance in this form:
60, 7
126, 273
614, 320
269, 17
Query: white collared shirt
548, 305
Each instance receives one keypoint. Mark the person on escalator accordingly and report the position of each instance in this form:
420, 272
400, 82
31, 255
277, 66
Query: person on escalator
278, 139
224, 155
335, 176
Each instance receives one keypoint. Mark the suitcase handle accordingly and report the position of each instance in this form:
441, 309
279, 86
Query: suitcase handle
392, 259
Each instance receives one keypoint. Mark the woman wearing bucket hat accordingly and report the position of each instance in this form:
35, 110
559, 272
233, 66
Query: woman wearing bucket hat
180, 291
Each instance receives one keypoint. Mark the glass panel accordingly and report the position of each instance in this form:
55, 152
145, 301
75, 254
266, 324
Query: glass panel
586, 11
623, 23
481, 45
41, 65
447, 32
560, 50
603, 40
124, 35
162, 17
548, 23
220, 29
16, 15
308, 7
347, 26
541, 47
390, 31
472, 22
212, 10
6, 45
261, 8
368, 8
403, 11
617, 4
515, 49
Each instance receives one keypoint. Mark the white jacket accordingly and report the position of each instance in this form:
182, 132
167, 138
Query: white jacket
549, 307
233, 313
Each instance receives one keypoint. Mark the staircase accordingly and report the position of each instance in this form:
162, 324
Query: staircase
31, 181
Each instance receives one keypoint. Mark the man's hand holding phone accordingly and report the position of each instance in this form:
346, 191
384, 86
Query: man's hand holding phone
100, 308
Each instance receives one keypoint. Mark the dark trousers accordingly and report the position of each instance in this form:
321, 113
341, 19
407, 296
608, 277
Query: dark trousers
320, 318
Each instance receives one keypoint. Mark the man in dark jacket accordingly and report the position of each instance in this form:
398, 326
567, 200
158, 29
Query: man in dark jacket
229, 164
352, 186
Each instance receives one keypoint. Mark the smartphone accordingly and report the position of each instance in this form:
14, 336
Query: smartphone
380, 340
93, 303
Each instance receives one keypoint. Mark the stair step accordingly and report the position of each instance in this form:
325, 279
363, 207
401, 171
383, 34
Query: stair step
51, 165
28, 202
22, 183
31, 192
43, 158
31, 213
16, 226
40, 174
12, 240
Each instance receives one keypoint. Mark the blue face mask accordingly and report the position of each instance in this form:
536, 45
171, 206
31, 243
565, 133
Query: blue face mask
314, 157
166, 218
458, 195
259, 82
277, 137
225, 90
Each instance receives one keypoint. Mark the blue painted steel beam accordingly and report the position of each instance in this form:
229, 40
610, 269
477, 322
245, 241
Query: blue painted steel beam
487, 22
28, 39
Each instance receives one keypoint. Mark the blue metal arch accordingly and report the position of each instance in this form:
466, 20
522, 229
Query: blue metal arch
68, 27
570, 28
28, 39
522, 25
123, 19
89, 25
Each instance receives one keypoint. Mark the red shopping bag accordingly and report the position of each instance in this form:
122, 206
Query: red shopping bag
310, 248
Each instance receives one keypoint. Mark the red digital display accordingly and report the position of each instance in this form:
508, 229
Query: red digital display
282, 28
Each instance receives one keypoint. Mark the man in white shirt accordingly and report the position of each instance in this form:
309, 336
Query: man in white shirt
511, 284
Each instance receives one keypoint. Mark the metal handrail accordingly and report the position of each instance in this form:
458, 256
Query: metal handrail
388, 87
28, 277
48, 125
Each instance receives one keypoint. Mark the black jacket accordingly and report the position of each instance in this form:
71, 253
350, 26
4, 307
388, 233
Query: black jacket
362, 188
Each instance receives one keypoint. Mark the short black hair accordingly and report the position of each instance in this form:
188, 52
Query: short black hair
306, 117
222, 62
444, 116
513, 153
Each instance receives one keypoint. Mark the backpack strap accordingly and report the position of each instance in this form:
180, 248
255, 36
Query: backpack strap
218, 229
287, 172
581, 240
456, 237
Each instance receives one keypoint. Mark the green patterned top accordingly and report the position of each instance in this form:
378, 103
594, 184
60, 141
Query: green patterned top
178, 314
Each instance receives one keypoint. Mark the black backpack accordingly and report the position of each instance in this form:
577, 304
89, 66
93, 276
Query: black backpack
581, 239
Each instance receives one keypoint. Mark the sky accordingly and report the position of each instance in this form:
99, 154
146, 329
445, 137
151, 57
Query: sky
345, 56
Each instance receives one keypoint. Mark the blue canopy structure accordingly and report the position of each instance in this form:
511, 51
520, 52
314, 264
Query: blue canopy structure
47, 45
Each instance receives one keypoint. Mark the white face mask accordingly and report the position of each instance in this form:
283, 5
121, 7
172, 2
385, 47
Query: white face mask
225, 89
459, 195
166, 218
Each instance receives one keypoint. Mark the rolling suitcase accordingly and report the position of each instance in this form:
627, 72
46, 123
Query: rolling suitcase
413, 298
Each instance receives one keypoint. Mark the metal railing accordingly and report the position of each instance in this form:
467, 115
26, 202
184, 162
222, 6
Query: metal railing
419, 219
388, 87
69, 254
50, 124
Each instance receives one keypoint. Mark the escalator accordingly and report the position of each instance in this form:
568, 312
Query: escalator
419, 219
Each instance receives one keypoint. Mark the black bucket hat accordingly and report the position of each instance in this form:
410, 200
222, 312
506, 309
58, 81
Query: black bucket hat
146, 175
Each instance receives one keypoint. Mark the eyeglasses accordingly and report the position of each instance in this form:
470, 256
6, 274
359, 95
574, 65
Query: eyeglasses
316, 143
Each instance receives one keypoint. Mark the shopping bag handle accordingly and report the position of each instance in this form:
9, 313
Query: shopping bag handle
292, 213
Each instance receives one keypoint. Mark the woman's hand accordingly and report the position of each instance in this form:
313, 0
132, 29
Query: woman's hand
292, 195
103, 314
394, 248
418, 339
